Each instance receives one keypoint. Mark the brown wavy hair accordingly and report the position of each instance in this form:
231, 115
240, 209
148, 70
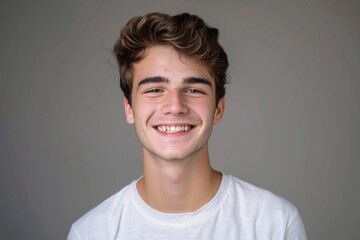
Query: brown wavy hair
187, 34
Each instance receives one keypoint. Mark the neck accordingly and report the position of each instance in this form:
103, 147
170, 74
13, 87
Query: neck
178, 186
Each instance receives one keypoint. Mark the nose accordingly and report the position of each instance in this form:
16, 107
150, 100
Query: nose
174, 103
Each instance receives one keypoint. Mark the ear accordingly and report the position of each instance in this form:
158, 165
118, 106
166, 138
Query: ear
219, 111
128, 111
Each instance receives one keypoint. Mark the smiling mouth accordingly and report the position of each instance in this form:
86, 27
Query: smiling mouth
174, 129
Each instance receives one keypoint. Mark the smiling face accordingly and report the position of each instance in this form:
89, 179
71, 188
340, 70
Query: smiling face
173, 105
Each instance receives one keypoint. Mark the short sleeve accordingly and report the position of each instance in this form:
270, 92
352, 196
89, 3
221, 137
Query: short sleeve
296, 230
72, 235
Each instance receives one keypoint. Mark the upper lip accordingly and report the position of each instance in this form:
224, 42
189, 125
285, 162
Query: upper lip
173, 124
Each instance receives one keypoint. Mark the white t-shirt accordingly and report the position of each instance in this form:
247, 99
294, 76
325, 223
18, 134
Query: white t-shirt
239, 210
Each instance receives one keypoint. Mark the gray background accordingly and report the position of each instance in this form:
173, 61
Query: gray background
292, 121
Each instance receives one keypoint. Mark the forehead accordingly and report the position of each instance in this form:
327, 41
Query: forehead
166, 61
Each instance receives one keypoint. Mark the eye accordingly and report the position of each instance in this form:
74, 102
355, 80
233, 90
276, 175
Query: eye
154, 90
194, 91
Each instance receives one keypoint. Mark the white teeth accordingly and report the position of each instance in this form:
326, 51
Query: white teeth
173, 129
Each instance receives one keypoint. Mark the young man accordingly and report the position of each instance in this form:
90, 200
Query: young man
173, 73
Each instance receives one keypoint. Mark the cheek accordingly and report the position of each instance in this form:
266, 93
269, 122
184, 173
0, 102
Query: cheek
203, 109
143, 110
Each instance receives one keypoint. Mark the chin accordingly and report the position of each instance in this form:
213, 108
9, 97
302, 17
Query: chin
173, 157
179, 156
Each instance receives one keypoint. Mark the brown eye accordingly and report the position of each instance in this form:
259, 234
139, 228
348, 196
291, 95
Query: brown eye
194, 91
153, 91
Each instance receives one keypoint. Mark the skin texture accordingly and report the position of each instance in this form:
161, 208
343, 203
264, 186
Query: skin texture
173, 110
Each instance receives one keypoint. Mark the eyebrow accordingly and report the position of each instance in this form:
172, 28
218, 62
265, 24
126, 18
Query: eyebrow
190, 80
156, 79
197, 80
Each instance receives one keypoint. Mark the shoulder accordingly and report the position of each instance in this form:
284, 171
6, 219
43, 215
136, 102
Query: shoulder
271, 214
97, 221
251, 198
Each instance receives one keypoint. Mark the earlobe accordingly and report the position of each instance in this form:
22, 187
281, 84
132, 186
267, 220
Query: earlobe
128, 111
219, 111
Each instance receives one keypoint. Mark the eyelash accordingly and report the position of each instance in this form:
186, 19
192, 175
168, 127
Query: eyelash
154, 90
193, 90
190, 91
